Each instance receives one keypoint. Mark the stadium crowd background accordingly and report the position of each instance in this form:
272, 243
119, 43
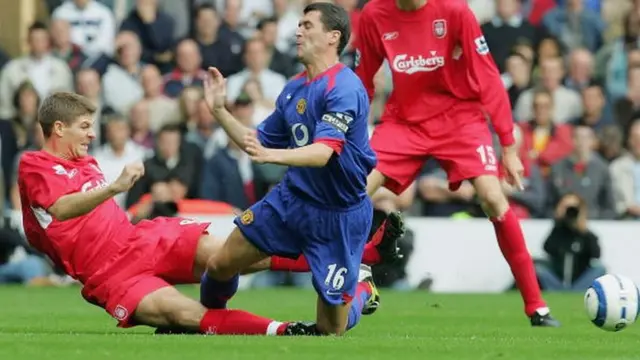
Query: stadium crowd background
571, 69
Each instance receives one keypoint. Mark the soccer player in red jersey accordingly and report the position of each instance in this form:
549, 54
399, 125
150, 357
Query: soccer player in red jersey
69, 215
445, 83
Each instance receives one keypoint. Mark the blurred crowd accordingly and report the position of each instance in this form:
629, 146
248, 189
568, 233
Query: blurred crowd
571, 69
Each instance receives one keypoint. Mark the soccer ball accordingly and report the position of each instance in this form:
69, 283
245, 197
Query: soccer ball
612, 302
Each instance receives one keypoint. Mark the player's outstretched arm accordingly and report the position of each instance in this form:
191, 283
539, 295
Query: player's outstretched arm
77, 204
215, 93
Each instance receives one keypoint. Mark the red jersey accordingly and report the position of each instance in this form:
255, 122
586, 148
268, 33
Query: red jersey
80, 245
439, 59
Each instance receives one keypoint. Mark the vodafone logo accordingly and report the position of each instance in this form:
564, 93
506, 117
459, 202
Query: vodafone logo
404, 63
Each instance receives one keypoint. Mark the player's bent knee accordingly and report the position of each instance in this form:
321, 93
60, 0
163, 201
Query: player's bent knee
168, 307
207, 247
219, 268
489, 191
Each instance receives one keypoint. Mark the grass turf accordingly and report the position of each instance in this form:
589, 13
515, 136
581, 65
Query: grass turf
48, 323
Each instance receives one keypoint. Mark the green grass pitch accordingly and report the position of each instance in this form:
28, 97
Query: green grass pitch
50, 323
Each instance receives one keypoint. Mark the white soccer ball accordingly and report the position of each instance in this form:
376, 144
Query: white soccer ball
612, 302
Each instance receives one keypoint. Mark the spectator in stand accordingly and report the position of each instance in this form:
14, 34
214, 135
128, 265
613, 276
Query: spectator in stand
626, 108
218, 49
141, 133
188, 108
583, 173
17, 133
545, 142
88, 85
92, 25
169, 165
281, 63
288, 17
506, 28
163, 110
614, 61
188, 71
228, 174
118, 152
517, 78
255, 60
204, 129
573, 250
625, 176
551, 75
610, 143
63, 48
260, 107
575, 26
596, 114
36, 144
45, 72
233, 24
548, 48
581, 69
155, 31
122, 77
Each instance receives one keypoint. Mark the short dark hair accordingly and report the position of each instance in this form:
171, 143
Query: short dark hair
38, 25
264, 22
169, 128
542, 91
63, 106
204, 7
333, 18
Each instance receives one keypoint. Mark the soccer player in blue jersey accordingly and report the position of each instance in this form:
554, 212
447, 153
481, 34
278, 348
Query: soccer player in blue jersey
321, 209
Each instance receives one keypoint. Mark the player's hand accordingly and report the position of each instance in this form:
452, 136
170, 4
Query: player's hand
215, 89
130, 174
514, 168
507, 188
256, 151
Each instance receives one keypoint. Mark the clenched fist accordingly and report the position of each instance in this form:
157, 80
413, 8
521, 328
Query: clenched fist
130, 174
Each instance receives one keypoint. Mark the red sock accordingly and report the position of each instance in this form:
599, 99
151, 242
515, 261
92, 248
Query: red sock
514, 249
238, 322
370, 256
285, 264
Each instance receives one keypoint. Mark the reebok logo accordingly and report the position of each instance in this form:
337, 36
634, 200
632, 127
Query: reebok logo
404, 63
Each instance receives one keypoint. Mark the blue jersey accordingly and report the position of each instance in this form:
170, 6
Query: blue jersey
332, 108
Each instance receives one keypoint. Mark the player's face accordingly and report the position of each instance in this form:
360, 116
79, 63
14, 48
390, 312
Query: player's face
311, 37
76, 137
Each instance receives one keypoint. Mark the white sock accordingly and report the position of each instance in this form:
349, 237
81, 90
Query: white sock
272, 329
543, 311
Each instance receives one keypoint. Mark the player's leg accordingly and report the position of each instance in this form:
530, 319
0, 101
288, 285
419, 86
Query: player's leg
382, 247
469, 155
260, 232
334, 251
397, 167
166, 307
513, 246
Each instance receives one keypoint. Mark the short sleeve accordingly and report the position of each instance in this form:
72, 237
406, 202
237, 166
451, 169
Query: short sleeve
44, 185
341, 109
272, 132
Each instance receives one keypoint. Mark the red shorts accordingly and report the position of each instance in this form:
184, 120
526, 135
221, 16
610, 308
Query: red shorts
160, 253
459, 140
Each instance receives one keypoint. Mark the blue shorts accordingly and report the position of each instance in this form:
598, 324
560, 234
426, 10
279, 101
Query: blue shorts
331, 240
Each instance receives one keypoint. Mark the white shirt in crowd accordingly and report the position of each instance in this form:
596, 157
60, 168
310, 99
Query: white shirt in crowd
112, 165
271, 84
93, 28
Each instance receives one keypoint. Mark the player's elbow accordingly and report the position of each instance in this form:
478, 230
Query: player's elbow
321, 155
321, 160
